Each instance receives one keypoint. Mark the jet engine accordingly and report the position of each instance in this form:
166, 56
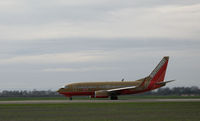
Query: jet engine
101, 94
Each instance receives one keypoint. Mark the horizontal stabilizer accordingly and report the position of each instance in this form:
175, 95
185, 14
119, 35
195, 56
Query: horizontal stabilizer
163, 83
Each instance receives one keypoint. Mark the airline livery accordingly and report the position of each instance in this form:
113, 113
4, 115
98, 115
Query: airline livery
114, 88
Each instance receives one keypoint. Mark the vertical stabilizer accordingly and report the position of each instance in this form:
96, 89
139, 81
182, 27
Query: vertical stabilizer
158, 74
160, 69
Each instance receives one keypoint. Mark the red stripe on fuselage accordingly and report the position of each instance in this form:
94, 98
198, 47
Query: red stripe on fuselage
69, 94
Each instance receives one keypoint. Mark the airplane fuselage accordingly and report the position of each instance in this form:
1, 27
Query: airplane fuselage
89, 88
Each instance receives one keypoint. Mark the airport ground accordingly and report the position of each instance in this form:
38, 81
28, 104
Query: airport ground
145, 108
116, 111
126, 97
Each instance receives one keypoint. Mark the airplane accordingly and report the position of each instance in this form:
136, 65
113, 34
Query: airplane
113, 89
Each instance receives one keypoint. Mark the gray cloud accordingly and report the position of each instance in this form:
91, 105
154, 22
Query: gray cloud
30, 20
36, 47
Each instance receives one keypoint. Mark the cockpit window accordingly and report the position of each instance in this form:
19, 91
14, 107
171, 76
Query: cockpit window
66, 86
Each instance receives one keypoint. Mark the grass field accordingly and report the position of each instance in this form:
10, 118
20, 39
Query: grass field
126, 97
162, 111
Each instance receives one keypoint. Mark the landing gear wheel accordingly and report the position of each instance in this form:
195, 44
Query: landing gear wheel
70, 98
114, 97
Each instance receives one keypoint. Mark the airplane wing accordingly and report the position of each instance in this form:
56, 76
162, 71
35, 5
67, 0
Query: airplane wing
120, 89
133, 87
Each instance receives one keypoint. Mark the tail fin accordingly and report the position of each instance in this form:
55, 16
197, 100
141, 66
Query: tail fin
158, 74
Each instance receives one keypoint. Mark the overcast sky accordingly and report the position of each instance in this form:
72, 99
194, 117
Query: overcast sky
45, 44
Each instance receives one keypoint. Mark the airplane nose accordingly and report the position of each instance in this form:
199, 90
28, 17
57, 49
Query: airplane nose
60, 90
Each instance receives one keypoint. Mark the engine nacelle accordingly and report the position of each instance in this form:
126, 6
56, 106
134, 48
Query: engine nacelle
101, 94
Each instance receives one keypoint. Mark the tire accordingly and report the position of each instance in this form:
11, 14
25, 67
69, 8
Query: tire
70, 98
114, 97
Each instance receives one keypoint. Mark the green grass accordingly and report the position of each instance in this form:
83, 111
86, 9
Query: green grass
159, 111
126, 97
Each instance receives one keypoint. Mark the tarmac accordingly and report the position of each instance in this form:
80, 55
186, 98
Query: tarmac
96, 101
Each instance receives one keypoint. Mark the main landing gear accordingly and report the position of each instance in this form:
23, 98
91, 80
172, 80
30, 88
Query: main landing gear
113, 97
70, 98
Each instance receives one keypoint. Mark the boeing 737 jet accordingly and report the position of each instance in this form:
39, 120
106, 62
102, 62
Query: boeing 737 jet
114, 88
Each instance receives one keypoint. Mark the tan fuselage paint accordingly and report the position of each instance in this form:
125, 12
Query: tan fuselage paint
95, 86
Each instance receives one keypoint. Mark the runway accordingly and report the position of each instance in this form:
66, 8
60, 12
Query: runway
96, 101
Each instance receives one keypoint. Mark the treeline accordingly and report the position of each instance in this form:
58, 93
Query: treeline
33, 93
179, 91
